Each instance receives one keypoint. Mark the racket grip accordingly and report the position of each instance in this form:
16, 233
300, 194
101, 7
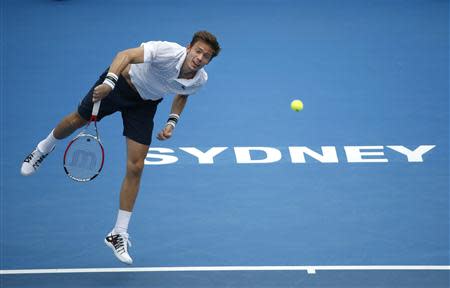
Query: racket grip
95, 109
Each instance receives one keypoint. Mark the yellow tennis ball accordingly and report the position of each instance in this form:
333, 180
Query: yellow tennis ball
297, 105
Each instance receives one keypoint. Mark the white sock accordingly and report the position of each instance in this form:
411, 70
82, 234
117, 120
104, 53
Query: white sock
46, 145
123, 218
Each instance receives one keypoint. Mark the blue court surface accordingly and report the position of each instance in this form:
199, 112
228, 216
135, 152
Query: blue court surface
353, 191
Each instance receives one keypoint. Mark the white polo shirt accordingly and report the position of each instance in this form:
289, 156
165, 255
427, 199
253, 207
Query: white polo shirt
158, 75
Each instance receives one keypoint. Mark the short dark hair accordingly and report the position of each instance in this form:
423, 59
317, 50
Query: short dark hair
209, 39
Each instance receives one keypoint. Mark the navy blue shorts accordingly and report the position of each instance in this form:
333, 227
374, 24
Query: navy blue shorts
137, 113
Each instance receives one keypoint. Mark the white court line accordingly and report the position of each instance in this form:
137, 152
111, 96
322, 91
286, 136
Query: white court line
308, 269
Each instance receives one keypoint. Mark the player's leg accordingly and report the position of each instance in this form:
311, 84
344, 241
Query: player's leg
68, 125
137, 116
65, 127
136, 154
117, 239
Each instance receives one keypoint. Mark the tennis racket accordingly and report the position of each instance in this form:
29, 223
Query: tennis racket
84, 155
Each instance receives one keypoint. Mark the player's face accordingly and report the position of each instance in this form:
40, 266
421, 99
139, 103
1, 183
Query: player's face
198, 55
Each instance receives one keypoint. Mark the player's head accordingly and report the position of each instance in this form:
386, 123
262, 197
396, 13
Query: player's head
202, 49
207, 38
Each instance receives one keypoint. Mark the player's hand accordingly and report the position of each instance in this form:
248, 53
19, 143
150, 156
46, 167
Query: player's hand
100, 92
166, 133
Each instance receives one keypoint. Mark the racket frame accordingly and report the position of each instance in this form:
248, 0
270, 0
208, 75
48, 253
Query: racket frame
84, 133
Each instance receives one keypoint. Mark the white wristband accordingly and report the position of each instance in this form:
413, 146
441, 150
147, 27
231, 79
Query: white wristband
173, 115
173, 120
111, 80
171, 123
114, 76
109, 83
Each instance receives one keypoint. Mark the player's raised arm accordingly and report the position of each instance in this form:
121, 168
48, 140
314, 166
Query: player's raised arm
125, 57
120, 62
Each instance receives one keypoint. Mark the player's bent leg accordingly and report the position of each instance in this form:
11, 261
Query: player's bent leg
66, 127
118, 240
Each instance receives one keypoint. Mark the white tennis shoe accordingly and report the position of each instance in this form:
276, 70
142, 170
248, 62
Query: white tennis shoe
119, 242
33, 162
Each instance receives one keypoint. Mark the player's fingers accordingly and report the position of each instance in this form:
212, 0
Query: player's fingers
167, 134
95, 94
161, 136
95, 97
168, 129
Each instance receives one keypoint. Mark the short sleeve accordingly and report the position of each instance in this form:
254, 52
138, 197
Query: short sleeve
157, 51
150, 50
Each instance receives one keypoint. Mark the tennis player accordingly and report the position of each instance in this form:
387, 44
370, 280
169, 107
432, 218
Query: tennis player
135, 83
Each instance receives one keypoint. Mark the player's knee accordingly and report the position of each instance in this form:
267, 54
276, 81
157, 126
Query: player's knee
135, 167
76, 120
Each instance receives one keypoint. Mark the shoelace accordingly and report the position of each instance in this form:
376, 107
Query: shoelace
118, 243
29, 157
38, 161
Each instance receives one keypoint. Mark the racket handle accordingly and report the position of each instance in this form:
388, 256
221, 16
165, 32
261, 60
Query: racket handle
95, 109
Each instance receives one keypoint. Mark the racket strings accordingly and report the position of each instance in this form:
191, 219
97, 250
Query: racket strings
83, 159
